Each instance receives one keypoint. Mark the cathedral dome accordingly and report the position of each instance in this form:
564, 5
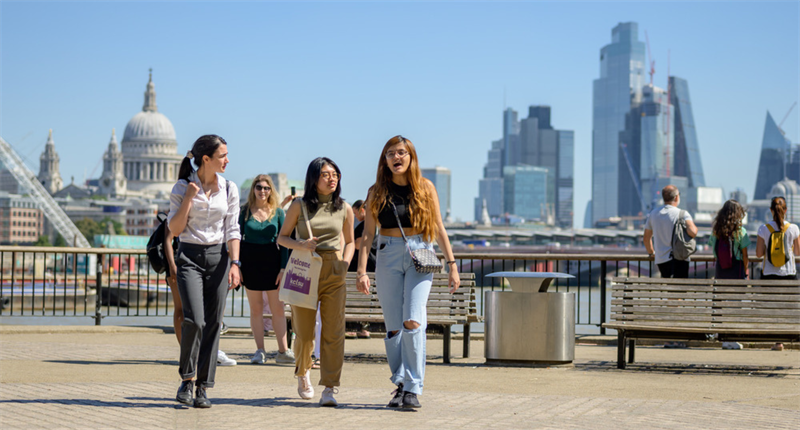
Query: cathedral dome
149, 131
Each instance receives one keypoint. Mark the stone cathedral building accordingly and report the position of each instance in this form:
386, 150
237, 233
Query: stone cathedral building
144, 165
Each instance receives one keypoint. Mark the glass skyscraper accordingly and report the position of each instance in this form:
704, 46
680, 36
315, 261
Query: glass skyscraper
525, 189
774, 153
440, 176
687, 149
621, 79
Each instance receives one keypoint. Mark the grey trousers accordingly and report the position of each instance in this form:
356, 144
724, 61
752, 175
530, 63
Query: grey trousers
203, 287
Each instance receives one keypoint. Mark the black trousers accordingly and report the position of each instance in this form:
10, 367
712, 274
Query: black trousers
674, 269
203, 287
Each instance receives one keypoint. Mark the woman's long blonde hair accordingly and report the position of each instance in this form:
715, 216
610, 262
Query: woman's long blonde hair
421, 205
272, 200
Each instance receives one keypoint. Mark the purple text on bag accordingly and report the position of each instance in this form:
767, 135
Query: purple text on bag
297, 283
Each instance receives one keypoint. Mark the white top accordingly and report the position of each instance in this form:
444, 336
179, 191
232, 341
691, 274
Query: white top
790, 235
662, 221
211, 221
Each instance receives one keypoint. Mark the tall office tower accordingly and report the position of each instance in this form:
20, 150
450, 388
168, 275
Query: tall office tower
510, 138
49, 174
793, 165
620, 83
525, 192
540, 145
494, 163
774, 151
490, 188
687, 149
739, 195
566, 178
647, 151
441, 178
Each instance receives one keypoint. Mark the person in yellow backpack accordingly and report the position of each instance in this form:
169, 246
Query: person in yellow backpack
779, 262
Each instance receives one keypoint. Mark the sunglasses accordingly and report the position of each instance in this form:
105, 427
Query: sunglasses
263, 188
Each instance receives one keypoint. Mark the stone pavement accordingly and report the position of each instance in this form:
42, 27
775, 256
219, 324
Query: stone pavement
120, 378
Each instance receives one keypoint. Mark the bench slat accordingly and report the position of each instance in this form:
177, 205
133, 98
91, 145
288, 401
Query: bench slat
707, 288
629, 318
713, 303
793, 331
698, 281
659, 295
710, 327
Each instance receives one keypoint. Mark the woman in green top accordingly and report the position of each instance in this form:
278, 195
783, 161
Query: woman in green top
729, 241
260, 221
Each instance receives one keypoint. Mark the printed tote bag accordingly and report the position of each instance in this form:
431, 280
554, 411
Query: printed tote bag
301, 277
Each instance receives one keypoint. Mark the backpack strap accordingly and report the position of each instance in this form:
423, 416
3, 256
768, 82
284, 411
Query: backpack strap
771, 230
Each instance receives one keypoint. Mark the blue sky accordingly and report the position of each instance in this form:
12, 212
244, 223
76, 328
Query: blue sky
286, 82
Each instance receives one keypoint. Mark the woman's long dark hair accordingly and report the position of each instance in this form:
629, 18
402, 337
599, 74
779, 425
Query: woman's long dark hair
310, 196
729, 219
778, 208
204, 145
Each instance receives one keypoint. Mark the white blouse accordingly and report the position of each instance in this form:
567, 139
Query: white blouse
211, 221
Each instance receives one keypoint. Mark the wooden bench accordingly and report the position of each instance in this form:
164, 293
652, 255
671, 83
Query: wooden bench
702, 309
444, 309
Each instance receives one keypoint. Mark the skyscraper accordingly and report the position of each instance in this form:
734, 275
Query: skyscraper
620, 83
687, 149
774, 151
525, 192
440, 176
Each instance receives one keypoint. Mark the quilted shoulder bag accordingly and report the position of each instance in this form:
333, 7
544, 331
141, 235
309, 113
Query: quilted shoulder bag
425, 260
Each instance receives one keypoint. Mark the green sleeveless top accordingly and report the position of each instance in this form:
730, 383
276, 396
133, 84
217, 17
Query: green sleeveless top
326, 224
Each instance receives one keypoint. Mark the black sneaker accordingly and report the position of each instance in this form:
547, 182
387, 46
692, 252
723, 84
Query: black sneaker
185, 392
200, 399
409, 400
397, 400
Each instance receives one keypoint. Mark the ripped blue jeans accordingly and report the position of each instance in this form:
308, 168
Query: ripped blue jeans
403, 294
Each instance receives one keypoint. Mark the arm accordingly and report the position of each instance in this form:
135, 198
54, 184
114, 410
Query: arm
796, 246
648, 241
362, 283
761, 247
691, 229
234, 275
289, 223
169, 253
232, 233
746, 261
454, 280
179, 207
347, 232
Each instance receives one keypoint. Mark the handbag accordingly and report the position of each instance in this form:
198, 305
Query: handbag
300, 282
425, 260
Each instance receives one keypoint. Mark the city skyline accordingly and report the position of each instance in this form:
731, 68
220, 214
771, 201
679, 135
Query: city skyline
268, 79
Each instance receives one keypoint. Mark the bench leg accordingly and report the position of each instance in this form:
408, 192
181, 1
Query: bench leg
447, 343
632, 350
466, 340
620, 349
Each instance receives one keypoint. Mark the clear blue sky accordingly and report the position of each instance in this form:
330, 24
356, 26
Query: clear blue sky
286, 82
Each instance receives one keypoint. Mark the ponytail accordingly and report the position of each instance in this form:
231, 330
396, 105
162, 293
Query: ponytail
778, 208
204, 145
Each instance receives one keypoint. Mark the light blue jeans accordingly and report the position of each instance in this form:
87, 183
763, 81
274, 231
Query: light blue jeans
403, 294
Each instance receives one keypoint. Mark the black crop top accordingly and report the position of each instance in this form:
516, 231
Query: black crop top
400, 197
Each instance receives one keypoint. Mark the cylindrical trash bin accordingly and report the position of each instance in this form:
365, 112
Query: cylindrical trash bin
529, 328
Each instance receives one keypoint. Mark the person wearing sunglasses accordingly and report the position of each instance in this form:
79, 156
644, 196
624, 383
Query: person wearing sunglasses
403, 203
263, 261
331, 220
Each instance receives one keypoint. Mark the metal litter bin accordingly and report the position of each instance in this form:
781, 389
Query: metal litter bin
529, 326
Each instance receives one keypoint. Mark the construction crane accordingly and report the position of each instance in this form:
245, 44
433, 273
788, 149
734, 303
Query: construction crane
27, 180
785, 117
650, 59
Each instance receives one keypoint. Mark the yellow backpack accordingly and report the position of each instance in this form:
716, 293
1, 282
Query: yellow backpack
776, 253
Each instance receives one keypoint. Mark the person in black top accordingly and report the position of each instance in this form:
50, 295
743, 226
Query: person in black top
360, 329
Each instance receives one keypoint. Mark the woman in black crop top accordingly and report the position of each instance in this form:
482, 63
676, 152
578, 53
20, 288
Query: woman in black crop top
403, 293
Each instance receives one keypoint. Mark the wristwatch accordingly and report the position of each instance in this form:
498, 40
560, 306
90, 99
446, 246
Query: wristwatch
237, 262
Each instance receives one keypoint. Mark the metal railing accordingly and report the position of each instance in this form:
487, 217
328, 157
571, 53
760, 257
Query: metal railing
98, 283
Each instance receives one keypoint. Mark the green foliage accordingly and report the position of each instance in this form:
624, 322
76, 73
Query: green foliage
90, 228
43, 241
60, 241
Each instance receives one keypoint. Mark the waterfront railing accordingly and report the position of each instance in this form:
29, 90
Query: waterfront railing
97, 283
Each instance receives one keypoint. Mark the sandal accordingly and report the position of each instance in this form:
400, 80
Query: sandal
777, 347
315, 365
350, 335
363, 334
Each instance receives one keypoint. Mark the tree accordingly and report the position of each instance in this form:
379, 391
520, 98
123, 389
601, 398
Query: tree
60, 241
43, 241
89, 228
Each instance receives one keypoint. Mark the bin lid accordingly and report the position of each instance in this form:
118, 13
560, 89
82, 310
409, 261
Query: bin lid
528, 282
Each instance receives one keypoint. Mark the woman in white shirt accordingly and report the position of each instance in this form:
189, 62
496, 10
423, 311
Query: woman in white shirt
204, 214
791, 246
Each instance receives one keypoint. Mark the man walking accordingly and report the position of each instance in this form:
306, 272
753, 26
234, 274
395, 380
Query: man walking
658, 234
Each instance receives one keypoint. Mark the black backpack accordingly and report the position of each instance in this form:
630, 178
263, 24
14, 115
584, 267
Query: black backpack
155, 245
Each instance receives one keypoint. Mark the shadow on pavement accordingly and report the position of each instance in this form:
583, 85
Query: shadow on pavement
89, 362
692, 369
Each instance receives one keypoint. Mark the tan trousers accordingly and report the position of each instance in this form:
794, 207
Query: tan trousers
332, 296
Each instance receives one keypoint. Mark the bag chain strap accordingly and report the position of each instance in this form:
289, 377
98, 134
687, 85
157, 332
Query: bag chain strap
399, 224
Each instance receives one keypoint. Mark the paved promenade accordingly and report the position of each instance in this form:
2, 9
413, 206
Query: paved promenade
126, 378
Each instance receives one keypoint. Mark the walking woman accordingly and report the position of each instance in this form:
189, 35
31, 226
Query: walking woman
729, 241
330, 219
401, 192
790, 245
204, 210
263, 262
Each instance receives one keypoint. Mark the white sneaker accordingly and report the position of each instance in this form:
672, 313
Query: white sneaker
260, 357
223, 360
304, 388
286, 357
327, 397
731, 345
